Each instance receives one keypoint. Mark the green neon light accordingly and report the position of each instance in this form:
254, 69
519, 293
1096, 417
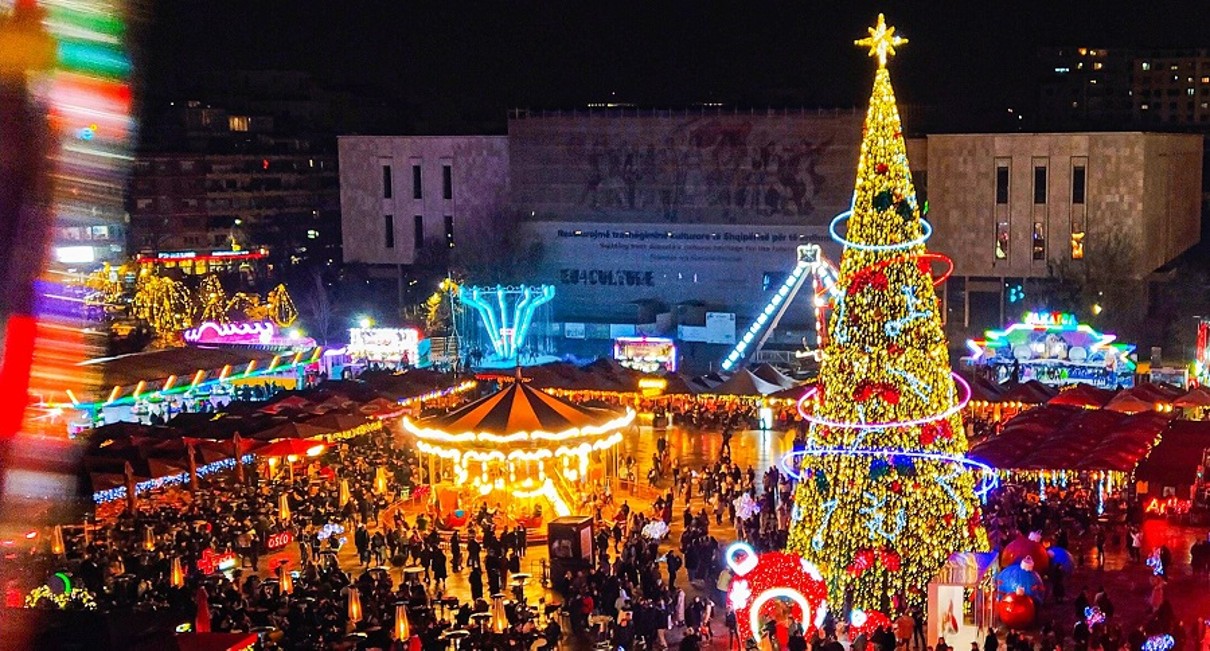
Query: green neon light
66, 582
130, 399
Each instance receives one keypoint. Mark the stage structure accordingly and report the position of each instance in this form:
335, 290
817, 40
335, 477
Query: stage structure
811, 264
507, 314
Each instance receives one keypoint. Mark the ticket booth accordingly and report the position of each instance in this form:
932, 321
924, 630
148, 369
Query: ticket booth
569, 539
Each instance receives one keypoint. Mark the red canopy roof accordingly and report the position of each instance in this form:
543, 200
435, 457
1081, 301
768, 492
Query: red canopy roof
1082, 395
1062, 437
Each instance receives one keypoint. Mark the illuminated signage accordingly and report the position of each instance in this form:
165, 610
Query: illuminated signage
249, 332
1051, 319
646, 354
210, 562
387, 345
279, 540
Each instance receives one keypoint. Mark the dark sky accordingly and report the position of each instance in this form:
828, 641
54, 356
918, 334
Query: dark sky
478, 58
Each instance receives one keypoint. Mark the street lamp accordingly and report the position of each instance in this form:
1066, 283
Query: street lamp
366, 322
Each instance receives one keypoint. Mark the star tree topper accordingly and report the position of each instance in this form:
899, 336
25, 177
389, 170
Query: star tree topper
881, 41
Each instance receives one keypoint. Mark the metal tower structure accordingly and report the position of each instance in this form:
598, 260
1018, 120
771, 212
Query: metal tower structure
812, 264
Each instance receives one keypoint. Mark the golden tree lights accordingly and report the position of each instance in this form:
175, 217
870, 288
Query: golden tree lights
164, 303
213, 300
885, 492
281, 306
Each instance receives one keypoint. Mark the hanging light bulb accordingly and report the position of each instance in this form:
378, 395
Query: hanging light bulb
176, 573
354, 605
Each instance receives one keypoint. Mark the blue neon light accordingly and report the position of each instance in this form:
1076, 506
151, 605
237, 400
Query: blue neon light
989, 478
926, 228
507, 328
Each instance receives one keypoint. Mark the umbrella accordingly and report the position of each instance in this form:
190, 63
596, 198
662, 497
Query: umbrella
287, 447
292, 430
1197, 397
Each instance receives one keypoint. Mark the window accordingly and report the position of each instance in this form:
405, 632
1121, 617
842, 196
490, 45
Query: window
1039, 184
386, 181
1077, 238
1039, 241
416, 193
449, 231
389, 221
237, 123
1002, 183
418, 232
1002, 238
1146, 66
1190, 92
1078, 180
312, 234
447, 182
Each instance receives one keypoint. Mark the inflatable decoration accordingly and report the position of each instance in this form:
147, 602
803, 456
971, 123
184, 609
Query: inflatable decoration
1021, 579
758, 579
1018, 549
655, 530
1016, 611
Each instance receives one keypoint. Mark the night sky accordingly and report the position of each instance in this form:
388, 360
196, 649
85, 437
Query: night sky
472, 61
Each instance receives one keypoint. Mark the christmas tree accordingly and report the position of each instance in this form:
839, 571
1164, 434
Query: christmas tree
885, 494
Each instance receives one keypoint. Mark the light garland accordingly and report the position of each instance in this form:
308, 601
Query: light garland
360, 430
71, 596
440, 393
119, 492
488, 438
885, 493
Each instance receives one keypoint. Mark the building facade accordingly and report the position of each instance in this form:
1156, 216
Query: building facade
286, 201
1020, 206
401, 195
648, 221
1172, 87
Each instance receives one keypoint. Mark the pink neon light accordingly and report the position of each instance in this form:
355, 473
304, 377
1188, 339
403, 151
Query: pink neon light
815, 420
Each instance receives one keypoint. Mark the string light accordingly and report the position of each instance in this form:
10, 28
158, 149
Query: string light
885, 493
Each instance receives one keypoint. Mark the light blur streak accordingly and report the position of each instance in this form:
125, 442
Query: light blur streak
88, 108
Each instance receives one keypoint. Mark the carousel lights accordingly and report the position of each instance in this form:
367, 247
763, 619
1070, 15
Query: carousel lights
519, 437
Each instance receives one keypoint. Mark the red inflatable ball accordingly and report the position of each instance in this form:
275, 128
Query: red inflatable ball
1016, 611
1017, 550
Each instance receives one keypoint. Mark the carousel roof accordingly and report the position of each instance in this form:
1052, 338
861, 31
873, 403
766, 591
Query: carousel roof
519, 414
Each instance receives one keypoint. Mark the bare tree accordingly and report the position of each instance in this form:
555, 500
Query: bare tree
1104, 286
317, 307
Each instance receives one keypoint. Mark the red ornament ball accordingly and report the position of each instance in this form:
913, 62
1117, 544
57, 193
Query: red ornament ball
1016, 611
881, 168
1018, 549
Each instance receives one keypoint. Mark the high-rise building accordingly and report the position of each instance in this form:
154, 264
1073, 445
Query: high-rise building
1171, 88
1083, 87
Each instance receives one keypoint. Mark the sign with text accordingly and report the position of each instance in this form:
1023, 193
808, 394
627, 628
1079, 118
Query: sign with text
720, 327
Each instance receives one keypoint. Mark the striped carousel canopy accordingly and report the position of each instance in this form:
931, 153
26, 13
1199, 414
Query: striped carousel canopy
519, 417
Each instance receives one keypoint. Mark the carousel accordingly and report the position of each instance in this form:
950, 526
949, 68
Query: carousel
517, 455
